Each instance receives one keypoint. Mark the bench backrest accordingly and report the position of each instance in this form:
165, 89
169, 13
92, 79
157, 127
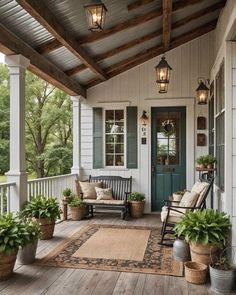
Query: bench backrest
202, 204
119, 185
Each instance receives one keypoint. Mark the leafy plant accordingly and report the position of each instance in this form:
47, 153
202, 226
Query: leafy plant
75, 201
210, 160
67, 192
13, 233
41, 207
33, 230
204, 227
201, 160
136, 196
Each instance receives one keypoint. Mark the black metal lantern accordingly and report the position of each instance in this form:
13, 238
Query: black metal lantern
95, 14
144, 118
202, 91
163, 71
163, 87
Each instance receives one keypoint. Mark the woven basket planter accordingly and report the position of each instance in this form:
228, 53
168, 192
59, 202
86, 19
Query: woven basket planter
136, 208
77, 213
206, 254
7, 263
47, 227
195, 273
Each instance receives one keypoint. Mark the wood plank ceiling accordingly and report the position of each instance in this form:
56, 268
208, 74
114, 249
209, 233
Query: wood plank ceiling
53, 34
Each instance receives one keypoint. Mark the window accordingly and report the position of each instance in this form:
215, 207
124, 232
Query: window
114, 138
220, 128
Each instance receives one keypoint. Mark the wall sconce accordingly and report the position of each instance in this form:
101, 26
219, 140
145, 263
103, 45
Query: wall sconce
202, 91
95, 13
144, 119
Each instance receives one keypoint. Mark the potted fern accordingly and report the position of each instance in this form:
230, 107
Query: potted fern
77, 208
13, 234
67, 193
27, 251
45, 212
136, 204
206, 231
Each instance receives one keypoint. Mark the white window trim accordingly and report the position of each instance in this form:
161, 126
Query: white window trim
104, 138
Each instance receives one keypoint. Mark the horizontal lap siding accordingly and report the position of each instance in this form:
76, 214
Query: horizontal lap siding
136, 87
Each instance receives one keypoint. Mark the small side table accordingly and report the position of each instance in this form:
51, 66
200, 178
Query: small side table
64, 208
207, 174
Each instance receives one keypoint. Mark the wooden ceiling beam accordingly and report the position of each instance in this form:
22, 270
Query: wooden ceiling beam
148, 37
136, 21
138, 4
154, 51
12, 44
39, 11
167, 12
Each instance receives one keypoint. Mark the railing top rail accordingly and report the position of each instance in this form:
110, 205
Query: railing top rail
5, 184
53, 177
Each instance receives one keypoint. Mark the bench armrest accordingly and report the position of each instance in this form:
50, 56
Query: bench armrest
169, 201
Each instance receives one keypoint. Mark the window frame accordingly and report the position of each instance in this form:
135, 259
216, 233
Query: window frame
111, 108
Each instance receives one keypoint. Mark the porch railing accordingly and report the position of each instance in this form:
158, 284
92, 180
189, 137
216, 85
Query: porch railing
5, 196
51, 186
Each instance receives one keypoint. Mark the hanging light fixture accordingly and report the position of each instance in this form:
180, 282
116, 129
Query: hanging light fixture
163, 71
202, 91
163, 87
144, 119
95, 14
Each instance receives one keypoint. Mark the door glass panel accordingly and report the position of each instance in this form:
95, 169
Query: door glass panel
168, 135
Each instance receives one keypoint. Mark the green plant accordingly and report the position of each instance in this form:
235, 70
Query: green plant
33, 230
41, 207
223, 261
136, 196
180, 193
67, 192
210, 160
204, 227
201, 160
75, 201
14, 232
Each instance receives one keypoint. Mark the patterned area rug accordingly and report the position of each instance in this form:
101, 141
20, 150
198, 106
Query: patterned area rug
115, 248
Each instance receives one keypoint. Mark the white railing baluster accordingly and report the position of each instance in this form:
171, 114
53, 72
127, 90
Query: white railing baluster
5, 196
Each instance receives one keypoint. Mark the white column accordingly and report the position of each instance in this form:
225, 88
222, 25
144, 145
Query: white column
76, 133
17, 65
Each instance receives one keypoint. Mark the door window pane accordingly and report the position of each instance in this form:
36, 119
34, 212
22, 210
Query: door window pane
168, 135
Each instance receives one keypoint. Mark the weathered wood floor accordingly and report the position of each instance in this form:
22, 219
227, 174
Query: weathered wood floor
32, 279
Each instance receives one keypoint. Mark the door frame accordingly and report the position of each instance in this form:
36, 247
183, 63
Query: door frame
189, 103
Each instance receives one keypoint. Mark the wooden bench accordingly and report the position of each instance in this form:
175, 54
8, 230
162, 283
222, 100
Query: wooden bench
121, 188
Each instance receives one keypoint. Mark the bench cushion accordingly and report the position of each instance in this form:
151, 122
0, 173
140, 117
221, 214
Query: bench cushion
173, 215
104, 202
189, 199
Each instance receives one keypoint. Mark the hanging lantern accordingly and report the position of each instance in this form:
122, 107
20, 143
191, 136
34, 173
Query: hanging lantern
163, 87
144, 119
202, 91
163, 71
95, 14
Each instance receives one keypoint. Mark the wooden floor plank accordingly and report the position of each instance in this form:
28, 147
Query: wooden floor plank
107, 283
126, 283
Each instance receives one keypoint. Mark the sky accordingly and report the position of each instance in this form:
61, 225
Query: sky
1, 58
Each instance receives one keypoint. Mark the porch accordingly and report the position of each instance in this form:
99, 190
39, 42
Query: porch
33, 279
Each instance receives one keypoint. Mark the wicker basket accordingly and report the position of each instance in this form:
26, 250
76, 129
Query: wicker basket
77, 213
206, 254
195, 273
47, 227
7, 263
136, 208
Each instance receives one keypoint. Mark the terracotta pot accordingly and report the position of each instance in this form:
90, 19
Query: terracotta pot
136, 209
210, 166
7, 263
177, 197
47, 227
77, 213
206, 254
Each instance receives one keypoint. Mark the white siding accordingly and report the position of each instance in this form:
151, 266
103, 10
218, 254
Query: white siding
137, 87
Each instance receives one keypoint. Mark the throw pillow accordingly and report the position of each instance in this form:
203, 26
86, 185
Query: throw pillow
104, 193
88, 189
189, 199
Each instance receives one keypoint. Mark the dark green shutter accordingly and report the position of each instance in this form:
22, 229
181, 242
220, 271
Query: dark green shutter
97, 138
132, 137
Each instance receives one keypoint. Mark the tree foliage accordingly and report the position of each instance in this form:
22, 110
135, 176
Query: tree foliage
48, 126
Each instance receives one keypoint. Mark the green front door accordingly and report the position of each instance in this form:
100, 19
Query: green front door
168, 153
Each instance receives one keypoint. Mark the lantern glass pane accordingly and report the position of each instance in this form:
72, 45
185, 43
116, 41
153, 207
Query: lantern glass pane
163, 75
202, 96
95, 17
163, 87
